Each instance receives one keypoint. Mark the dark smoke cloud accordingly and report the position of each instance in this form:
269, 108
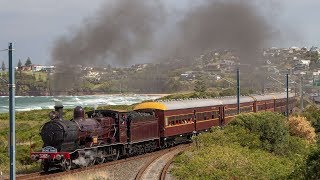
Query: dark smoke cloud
223, 25
125, 29
119, 31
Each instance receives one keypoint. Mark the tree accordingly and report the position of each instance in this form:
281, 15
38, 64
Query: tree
3, 66
200, 86
19, 63
228, 92
28, 62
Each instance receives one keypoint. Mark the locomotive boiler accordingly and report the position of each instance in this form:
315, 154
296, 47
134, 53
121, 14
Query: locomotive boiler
77, 133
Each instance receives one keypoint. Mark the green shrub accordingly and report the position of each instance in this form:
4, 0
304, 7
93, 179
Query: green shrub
312, 113
230, 162
228, 92
271, 127
310, 169
229, 135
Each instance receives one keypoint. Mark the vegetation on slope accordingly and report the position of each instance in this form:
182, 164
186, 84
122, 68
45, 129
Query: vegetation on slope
252, 146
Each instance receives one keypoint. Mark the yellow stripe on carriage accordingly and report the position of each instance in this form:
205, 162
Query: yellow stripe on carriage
150, 105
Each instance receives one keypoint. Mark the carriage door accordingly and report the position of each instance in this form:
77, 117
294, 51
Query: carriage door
123, 128
195, 120
221, 115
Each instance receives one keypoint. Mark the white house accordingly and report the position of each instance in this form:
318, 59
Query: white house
42, 68
305, 62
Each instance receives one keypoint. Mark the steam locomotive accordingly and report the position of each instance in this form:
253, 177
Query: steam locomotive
106, 135
103, 136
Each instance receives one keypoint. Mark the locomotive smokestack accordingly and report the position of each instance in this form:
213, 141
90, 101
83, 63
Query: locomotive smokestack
59, 108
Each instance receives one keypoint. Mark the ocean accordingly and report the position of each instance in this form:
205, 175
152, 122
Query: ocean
27, 103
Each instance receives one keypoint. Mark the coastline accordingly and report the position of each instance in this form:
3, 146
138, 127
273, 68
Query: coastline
129, 94
124, 95
28, 103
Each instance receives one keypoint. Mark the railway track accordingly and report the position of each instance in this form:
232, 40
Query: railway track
158, 166
165, 169
60, 175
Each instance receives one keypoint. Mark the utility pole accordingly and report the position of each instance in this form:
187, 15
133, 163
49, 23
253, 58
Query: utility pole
301, 93
12, 116
238, 89
287, 86
263, 80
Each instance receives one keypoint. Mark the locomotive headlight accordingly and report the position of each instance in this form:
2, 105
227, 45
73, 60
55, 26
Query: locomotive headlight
58, 157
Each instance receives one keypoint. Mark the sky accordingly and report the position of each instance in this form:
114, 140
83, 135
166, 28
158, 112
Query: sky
33, 25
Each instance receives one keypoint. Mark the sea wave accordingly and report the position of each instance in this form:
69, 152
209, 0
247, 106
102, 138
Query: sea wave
28, 103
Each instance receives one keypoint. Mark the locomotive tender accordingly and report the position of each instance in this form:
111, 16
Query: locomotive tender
107, 134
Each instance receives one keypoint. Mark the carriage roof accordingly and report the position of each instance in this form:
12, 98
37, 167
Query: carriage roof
192, 103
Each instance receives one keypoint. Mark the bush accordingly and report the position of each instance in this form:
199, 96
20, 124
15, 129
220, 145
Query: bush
312, 113
271, 128
301, 127
310, 169
228, 92
229, 135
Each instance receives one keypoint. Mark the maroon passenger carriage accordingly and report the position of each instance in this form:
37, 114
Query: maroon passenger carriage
180, 119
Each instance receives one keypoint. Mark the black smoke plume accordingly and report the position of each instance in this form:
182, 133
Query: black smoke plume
232, 25
119, 31
125, 29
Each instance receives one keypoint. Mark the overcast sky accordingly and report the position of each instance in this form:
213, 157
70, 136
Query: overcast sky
33, 25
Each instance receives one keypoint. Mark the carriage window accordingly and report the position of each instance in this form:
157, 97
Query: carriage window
246, 109
231, 112
166, 122
228, 112
260, 107
176, 119
171, 121
217, 115
185, 119
209, 115
200, 116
